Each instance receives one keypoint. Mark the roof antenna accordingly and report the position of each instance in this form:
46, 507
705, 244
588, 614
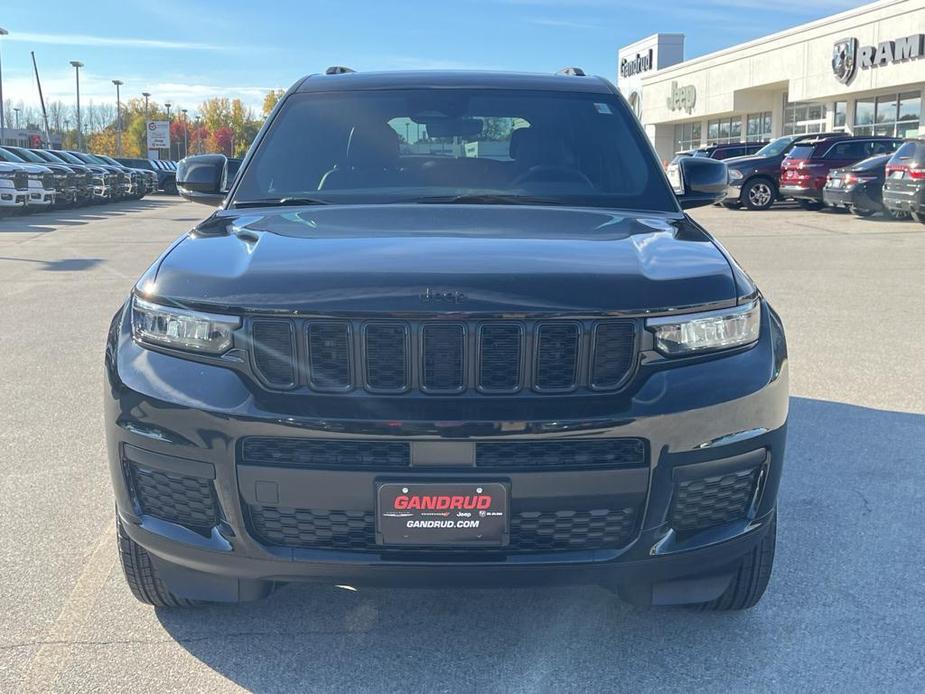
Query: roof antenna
572, 72
338, 70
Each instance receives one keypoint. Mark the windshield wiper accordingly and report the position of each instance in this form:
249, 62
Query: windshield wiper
281, 202
488, 199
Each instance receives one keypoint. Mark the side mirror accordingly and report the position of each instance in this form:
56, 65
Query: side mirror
200, 178
698, 181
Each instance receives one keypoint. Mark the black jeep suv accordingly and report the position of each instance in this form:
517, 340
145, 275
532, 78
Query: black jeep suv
448, 328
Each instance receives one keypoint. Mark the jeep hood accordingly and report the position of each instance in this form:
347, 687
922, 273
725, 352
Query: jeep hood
381, 259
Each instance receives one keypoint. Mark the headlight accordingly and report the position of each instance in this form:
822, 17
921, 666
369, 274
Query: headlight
735, 175
700, 332
178, 328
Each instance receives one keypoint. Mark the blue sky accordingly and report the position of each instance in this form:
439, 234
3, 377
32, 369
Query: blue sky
185, 51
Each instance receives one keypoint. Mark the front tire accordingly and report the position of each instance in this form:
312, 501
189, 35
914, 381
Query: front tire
758, 194
810, 205
861, 212
751, 577
141, 574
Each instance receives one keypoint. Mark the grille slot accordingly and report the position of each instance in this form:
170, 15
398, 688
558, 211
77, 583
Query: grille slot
387, 357
556, 356
614, 353
500, 357
189, 501
329, 355
21, 181
315, 453
709, 501
443, 348
535, 455
531, 531
274, 351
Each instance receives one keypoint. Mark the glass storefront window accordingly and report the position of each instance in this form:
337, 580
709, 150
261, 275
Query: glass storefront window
893, 115
758, 127
687, 136
724, 130
801, 118
841, 114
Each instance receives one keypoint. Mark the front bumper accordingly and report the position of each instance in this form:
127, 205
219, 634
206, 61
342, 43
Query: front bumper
707, 418
40, 197
10, 198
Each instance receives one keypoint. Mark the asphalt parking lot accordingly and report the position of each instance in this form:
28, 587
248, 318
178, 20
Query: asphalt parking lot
845, 609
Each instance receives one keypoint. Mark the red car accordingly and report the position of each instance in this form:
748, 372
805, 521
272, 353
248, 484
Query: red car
806, 167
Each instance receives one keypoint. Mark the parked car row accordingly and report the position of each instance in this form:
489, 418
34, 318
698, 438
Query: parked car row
35, 179
863, 174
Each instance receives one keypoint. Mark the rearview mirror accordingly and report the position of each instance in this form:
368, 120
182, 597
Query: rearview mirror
201, 178
698, 181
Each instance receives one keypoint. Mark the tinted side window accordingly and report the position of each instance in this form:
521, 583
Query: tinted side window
882, 147
850, 150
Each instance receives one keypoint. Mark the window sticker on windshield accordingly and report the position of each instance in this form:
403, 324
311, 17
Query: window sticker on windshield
603, 108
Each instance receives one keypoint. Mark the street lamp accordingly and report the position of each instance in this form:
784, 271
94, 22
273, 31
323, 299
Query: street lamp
3, 32
80, 133
185, 133
118, 84
16, 111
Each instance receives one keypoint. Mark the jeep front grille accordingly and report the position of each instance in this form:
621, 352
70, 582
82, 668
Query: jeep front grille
492, 357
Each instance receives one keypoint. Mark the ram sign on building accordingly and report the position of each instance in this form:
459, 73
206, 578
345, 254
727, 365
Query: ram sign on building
860, 71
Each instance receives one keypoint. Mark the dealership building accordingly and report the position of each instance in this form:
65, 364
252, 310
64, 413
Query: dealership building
860, 71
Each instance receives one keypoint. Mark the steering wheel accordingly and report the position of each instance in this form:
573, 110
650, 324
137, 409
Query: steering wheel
552, 172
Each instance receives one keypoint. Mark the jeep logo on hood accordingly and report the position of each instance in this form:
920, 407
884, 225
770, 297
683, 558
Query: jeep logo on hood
442, 296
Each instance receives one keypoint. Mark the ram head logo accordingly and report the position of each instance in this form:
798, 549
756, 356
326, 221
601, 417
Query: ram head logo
845, 59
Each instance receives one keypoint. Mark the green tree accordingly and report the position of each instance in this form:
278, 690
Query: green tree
269, 101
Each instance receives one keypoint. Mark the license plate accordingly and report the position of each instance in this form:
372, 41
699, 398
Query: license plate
443, 514
834, 183
897, 174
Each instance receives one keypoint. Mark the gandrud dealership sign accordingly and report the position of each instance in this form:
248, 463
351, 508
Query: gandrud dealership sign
643, 62
847, 55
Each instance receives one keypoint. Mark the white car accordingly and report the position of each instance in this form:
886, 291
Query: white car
14, 187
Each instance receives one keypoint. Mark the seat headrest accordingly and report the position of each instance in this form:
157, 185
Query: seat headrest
534, 146
372, 145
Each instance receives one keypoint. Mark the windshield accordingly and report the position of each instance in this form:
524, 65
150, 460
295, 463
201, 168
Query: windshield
67, 157
774, 147
408, 145
26, 155
6, 155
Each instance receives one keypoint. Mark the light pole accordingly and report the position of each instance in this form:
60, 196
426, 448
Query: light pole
185, 133
146, 95
167, 105
16, 111
80, 133
3, 32
118, 84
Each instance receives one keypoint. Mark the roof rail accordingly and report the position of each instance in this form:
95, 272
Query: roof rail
572, 72
338, 70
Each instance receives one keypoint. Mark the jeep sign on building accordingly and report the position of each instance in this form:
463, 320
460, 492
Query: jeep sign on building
860, 71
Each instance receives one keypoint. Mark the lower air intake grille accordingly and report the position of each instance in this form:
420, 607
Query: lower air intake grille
709, 501
387, 357
535, 455
314, 453
274, 351
188, 501
531, 531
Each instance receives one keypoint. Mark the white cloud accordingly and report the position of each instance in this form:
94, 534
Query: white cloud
110, 41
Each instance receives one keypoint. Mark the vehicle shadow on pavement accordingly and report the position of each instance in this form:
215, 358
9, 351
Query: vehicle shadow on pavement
51, 220
845, 599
